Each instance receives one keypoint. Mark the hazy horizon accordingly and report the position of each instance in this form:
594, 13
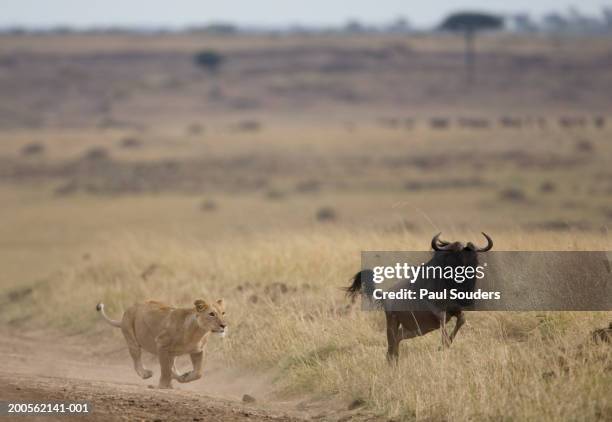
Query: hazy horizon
180, 13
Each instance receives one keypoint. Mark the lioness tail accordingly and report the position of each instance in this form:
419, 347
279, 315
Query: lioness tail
100, 308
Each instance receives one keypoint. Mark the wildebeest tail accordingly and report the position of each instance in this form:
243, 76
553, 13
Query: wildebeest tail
363, 282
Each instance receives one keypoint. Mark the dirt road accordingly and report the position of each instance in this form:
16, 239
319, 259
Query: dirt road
37, 367
114, 401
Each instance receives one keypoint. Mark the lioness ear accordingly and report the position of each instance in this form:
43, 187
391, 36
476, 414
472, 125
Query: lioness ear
221, 303
200, 305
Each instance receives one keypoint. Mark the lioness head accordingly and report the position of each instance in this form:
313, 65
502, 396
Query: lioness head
211, 316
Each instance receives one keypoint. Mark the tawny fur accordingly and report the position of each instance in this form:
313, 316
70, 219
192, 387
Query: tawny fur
169, 332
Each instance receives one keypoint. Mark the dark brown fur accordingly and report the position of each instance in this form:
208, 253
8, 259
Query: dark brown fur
402, 325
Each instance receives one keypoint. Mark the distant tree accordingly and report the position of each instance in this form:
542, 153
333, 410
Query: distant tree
469, 23
555, 22
607, 17
221, 28
354, 26
524, 23
399, 26
209, 60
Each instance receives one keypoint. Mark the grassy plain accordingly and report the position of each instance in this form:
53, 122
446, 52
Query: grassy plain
221, 195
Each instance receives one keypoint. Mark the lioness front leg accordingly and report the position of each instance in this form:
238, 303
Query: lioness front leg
166, 362
175, 374
196, 373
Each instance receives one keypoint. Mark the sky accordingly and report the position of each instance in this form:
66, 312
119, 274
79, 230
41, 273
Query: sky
176, 13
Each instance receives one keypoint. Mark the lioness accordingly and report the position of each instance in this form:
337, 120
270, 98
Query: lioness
169, 332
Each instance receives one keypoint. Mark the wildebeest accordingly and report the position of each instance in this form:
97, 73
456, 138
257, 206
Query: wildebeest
599, 122
439, 123
405, 324
511, 122
568, 122
474, 122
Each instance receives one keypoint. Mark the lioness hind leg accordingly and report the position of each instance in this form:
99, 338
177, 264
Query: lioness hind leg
135, 353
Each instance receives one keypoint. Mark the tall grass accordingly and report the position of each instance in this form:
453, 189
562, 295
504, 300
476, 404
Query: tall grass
288, 314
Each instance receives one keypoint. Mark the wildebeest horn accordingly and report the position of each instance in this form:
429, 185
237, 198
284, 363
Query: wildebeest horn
437, 244
489, 243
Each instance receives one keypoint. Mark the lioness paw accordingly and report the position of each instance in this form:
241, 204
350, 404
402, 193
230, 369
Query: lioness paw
184, 377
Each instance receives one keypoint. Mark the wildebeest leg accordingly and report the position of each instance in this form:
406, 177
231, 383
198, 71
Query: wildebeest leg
445, 338
393, 338
406, 334
460, 320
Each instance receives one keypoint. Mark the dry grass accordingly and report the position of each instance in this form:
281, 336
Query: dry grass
511, 366
329, 135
